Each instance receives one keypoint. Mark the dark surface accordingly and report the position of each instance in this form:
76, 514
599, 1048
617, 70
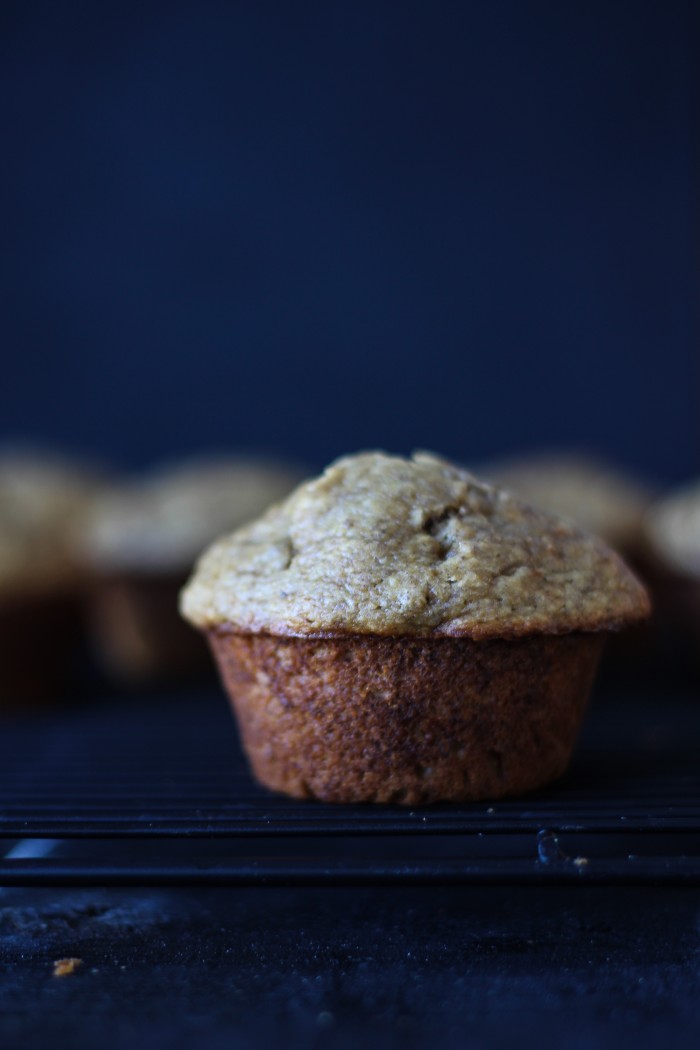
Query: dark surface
577, 966
391, 968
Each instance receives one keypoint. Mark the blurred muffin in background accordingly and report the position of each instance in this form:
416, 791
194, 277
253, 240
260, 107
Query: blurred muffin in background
139, 543
593, 495
672, 532
604, 502
43, 499
672, 527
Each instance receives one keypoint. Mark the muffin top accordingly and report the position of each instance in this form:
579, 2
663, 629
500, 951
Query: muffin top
42, 499
161, 522
599, 499
673, 530
383, 545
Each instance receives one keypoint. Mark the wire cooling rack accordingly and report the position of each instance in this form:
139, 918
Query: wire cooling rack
155, 791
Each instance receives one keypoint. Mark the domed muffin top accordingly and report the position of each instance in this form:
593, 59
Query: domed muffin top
379, 544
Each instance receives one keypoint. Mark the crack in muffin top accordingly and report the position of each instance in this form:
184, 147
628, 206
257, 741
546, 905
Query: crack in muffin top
379, 544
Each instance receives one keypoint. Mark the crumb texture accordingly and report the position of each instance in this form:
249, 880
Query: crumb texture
384, 545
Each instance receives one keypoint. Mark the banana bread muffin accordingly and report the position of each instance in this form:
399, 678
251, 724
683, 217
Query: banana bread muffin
398, 631
42, 500
139, 544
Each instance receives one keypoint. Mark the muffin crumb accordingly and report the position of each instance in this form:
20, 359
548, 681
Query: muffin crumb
66, 967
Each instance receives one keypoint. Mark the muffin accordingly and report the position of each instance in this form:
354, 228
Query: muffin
397, 631
42, 500
139, 544
596, 497
672, 531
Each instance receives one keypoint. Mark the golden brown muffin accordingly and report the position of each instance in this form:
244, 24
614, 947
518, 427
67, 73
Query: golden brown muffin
139, 543
42, 501
398, 631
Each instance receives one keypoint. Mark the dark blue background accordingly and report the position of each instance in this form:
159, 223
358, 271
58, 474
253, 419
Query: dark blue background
325, 226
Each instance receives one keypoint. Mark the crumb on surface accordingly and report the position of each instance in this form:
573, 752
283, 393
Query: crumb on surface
66, 967
581, 862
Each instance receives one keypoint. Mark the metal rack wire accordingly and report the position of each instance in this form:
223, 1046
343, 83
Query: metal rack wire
156, 791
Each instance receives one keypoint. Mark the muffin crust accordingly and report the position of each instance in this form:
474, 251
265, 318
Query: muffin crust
367, 719
381, 545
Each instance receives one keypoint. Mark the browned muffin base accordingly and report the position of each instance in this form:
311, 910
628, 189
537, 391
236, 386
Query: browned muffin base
372, 719
138, 633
